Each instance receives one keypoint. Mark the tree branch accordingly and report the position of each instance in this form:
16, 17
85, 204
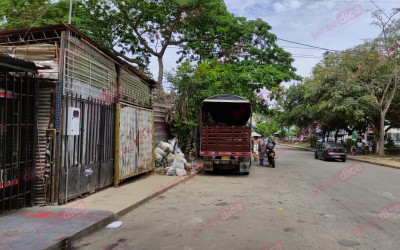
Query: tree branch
131, 60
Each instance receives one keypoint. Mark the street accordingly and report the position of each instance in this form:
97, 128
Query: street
281, 208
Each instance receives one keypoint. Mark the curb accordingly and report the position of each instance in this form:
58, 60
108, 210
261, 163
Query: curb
66, 242
349, 157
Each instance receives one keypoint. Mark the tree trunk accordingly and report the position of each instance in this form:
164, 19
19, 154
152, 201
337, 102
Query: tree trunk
336, 134
380, 147
160, 72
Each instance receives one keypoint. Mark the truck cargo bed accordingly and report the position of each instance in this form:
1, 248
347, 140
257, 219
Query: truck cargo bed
225, 139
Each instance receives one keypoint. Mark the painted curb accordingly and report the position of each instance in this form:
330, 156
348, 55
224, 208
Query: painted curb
67, 242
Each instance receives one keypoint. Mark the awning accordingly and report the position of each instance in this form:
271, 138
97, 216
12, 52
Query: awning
254, 134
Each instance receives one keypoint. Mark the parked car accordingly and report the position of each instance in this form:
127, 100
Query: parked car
330, 150
320, 138
305, 139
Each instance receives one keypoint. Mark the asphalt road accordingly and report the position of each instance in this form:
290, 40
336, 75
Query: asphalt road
301, 204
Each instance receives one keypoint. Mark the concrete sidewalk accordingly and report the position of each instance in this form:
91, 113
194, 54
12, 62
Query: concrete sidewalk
56, 227
363, 158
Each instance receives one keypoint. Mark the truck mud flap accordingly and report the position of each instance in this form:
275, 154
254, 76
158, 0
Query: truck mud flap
244, 166
208, 165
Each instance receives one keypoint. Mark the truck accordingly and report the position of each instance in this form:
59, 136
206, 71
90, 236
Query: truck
225, 133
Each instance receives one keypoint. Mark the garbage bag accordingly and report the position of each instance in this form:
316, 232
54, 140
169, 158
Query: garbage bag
165, 145
180, 159
170, 158
177, 165
158, 157
160, 151
171, 171
180, 172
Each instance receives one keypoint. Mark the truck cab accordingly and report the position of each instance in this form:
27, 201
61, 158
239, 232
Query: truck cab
225, 133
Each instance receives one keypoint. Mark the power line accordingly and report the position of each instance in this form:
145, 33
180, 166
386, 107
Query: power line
311, 46
379, 9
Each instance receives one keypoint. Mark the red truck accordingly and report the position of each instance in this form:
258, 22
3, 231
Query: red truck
225, 133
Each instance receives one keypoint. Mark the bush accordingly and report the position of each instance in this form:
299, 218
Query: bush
348, 144
390, 143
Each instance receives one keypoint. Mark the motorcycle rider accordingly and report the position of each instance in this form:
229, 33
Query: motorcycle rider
270, 147
262, 149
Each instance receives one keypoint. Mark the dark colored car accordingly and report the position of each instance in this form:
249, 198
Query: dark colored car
330, 150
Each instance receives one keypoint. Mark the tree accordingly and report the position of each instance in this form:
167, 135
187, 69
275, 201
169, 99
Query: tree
244, 77
296, 109
378, 71
137, 29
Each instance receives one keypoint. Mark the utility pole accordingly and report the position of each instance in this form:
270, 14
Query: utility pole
70, 11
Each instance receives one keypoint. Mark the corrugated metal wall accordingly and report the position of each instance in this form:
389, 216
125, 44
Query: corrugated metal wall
134, 90
145, 148
160, 127
87, 158
128, 142
46, 139
87, 72
136, 141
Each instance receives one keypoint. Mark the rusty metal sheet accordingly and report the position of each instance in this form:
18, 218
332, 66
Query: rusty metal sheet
146, 138
128, 140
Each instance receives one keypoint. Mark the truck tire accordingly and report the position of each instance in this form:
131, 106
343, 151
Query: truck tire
246, 173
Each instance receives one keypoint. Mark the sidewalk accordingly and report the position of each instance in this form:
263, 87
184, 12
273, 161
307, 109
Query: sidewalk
363, 158
56, 227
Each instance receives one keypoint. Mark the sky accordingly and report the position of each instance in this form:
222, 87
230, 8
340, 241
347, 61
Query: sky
330, 24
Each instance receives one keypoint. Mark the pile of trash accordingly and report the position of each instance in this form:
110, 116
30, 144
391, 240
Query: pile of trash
170, 161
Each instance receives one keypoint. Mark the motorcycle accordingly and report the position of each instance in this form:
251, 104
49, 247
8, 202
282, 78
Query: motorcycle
271, 154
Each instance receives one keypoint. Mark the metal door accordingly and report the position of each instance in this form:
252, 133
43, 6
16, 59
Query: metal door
87, 158
146, 139
17, 141
128, 141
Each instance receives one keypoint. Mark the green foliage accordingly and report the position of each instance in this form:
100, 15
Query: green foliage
268, 128
349, 142
390, 143
194, 84
262, 128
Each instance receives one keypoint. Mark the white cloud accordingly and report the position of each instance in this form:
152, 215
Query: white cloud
287, 5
